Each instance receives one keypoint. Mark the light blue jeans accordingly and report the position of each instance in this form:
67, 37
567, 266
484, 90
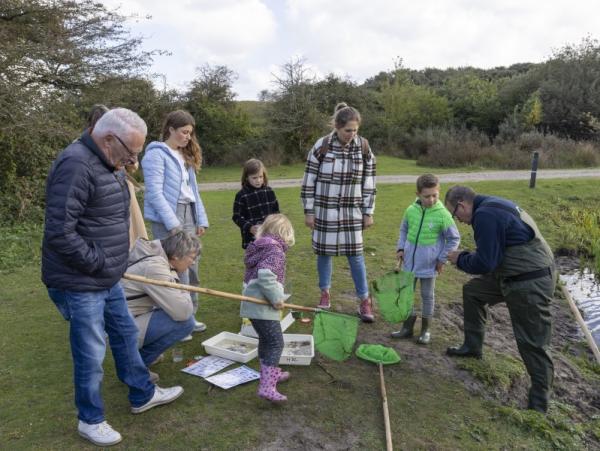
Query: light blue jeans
90, 314
358, 270
162, 333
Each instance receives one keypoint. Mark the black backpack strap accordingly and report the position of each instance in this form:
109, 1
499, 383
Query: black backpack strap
322, 151
364, 147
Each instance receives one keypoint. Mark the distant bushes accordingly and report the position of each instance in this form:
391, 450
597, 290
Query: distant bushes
461, 147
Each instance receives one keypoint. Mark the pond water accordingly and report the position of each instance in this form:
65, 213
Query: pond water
585, 290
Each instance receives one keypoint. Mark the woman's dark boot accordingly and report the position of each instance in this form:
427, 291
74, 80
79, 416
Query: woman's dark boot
407, 329
425, 336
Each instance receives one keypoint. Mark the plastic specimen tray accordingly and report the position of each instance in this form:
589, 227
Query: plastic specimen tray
299, 349
232, 346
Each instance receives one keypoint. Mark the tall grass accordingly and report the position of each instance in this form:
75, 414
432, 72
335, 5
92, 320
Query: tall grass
580, 230
461, 147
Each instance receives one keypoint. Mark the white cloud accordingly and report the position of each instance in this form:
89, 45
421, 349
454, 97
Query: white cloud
354, 37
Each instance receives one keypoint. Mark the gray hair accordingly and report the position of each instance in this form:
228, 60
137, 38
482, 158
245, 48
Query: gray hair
121, 122
181, 244
459, 193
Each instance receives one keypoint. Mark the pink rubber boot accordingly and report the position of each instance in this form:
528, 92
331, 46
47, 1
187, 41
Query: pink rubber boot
283, 375
267, 387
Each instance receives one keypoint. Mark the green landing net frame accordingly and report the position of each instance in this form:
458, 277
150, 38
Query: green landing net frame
335, 334
395, 292
378, 354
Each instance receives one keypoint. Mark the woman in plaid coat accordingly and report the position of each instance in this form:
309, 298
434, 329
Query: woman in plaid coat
338, 194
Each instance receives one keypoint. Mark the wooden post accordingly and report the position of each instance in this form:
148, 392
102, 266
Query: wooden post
534, 166
577, 314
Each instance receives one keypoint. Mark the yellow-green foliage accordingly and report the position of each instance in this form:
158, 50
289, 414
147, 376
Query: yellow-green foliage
494, 369
556, 427
581, 230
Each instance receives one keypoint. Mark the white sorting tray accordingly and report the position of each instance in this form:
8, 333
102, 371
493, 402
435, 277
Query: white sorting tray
214, 346
289, 358
249, 331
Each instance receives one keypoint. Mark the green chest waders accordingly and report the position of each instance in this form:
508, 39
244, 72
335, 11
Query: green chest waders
525, 280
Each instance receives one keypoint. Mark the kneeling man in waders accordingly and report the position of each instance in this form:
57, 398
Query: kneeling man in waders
515, 265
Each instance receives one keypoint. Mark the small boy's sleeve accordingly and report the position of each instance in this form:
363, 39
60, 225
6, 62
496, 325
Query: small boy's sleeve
451, 238
403, 234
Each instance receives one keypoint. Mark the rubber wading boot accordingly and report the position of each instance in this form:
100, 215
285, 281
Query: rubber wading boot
538, 400
470, 348
425, 336
407, 328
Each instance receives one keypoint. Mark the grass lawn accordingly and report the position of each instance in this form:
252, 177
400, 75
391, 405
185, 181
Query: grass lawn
386, 165
427, 411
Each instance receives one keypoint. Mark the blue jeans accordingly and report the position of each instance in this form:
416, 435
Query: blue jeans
90, 313
357, 269
162, 333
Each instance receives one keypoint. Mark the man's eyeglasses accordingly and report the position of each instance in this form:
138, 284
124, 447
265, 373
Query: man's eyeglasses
455, 209
129, 151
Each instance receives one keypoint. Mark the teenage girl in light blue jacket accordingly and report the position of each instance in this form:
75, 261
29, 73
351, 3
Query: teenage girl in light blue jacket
172, 201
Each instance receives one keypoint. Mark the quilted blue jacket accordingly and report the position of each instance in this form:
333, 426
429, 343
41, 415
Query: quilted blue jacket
86, 231
162, 178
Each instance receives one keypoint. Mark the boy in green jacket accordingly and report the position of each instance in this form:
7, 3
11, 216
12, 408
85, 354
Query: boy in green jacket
427, 234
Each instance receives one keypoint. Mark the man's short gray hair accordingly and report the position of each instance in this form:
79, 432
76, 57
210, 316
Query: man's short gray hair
181, 244
121, 122
459, 193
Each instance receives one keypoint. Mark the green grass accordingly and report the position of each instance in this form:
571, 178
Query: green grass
386, 165
427, 411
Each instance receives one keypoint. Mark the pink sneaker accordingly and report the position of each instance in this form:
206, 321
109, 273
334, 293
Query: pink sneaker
267, 387
365, 310
324, 303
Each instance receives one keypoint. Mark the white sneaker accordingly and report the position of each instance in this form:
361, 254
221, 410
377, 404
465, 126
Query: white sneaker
188, 338
101, 434
199, 327
161, 396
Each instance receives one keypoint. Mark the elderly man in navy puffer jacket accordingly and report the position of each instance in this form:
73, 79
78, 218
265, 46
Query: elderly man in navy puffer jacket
84, 255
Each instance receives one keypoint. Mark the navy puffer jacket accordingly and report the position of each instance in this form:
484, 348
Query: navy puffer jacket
86, 233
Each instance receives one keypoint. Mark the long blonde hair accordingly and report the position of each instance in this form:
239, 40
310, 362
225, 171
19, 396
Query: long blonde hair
278, 225
192, 152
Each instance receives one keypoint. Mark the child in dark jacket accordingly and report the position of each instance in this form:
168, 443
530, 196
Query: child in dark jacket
254, 202
265, 279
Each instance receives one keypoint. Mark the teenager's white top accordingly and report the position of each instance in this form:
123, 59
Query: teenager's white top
186, 194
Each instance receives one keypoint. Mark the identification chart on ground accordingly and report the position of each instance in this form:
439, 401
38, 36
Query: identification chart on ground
234, 377
207, 366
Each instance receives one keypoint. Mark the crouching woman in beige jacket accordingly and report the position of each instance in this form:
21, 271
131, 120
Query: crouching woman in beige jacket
163, 315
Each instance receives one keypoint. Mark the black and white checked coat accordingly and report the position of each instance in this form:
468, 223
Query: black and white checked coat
339, 190
250, 207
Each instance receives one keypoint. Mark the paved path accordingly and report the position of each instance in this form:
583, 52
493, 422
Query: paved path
444, 178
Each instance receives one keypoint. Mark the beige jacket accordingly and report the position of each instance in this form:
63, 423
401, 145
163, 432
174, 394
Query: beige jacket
148, 259
137, 228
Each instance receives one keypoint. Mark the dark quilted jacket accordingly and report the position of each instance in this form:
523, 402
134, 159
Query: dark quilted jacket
86, 233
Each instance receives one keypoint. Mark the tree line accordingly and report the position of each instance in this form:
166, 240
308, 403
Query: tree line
59, 57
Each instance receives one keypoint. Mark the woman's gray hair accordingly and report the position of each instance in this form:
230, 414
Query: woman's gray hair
181, 244
121, 122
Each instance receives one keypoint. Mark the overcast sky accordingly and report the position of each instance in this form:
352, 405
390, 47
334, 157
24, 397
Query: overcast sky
353, 38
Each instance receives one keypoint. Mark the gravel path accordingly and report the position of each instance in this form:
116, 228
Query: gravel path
444, 178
